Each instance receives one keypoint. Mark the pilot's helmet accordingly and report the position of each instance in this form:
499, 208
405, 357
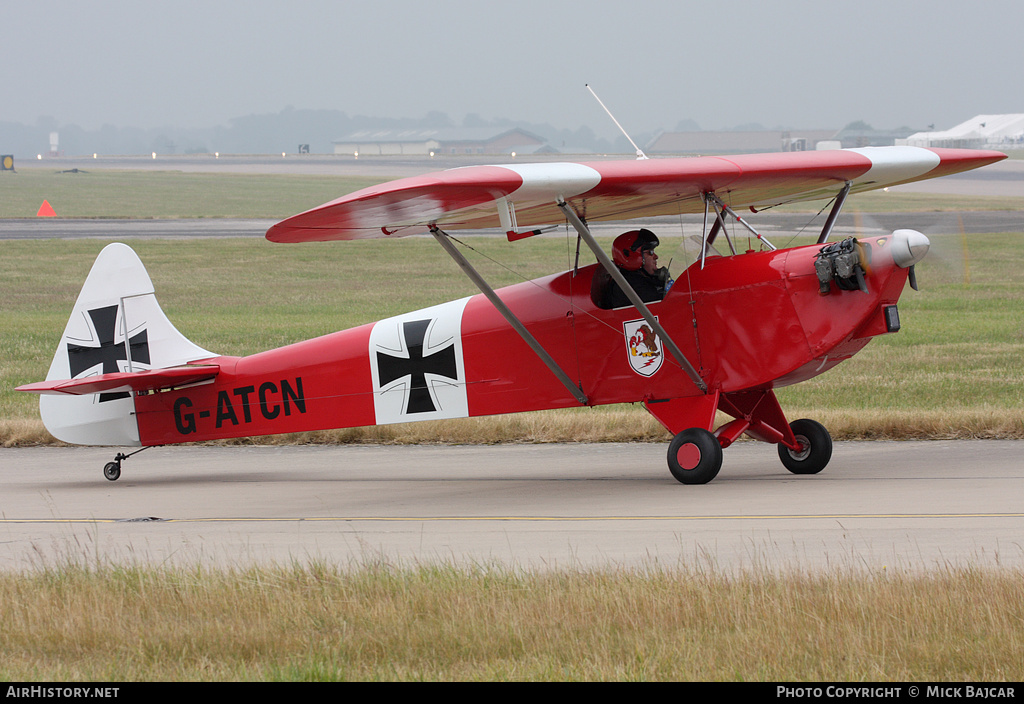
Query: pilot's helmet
628, 248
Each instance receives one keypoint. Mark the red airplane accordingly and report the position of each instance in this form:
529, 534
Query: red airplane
729, 331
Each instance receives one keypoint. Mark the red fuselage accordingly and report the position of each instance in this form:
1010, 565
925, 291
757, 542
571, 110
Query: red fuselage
753, 321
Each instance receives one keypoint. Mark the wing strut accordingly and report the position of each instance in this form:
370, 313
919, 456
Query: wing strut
726, 209
708, 239
834, 213
445, 241
613, 271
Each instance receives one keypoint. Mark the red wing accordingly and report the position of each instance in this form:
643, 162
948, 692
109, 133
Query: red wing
473, 196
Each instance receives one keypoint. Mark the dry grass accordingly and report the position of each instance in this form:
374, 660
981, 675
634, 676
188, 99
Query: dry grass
380, 622
953, 424
24, 432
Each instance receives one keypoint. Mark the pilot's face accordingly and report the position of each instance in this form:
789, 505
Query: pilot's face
650, 259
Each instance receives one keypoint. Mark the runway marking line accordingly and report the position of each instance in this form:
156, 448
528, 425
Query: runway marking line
525, 519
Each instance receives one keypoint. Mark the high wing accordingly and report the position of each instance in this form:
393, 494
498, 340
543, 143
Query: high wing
525, 195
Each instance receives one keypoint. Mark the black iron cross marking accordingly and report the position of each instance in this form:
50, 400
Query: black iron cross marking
82, 358
416, 366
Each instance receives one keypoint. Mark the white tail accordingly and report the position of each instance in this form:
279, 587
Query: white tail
116, 326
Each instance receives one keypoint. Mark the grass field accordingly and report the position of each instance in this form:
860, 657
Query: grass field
167, 194
438, 623
953, 370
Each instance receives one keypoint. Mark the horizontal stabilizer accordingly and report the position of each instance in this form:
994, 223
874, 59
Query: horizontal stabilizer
148, 380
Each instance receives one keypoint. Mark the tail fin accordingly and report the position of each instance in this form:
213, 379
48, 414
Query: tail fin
116, 326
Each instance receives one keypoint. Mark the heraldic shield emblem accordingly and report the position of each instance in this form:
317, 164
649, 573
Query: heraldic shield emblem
643, 348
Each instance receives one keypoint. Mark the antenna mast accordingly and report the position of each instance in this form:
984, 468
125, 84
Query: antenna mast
639, 152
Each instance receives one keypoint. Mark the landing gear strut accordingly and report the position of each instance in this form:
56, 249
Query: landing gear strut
112, 470
695, 454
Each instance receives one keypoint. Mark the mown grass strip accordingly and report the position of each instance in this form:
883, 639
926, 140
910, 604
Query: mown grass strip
106, 193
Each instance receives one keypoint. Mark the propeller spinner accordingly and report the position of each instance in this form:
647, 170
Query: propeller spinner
908, 248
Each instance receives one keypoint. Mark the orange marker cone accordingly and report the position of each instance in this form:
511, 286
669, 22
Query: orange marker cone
46, 210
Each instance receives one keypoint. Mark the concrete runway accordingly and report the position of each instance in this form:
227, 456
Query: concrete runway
879, 505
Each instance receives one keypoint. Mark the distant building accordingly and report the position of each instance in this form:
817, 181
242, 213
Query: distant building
980, 132
853, 137
450, 141
737, 142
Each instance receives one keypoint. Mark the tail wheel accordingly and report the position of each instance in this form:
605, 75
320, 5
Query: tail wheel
694, 456
112, 471
815, 448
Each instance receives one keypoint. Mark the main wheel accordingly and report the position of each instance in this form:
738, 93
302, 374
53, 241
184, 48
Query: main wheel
815, 448
694, 456
112, 471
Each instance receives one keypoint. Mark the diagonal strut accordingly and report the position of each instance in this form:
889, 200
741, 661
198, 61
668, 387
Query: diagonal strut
613, 271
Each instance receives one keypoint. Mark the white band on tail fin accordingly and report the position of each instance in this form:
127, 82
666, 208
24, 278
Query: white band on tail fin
116, 326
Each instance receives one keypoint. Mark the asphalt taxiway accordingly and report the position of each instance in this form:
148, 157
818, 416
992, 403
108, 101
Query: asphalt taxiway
878, 506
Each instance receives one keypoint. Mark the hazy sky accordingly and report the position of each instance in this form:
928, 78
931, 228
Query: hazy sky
199, 63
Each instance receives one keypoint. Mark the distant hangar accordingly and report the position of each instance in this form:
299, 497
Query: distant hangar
449, 141
980, 132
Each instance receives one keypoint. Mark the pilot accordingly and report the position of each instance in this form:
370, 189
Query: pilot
633, 254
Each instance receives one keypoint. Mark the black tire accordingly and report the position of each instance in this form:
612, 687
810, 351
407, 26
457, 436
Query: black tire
694, 456
817, 448
112, 471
